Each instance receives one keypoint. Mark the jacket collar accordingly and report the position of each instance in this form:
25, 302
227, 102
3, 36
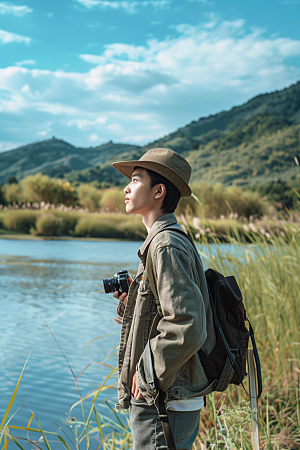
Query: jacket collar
160, 224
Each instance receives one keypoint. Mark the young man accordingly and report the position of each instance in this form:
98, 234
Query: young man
163, 358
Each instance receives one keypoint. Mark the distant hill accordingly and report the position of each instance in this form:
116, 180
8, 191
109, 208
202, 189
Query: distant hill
57, 158
256, 142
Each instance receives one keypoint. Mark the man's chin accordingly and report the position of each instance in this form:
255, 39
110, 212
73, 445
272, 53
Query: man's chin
130, 210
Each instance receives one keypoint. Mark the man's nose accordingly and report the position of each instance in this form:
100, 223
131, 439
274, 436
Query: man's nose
127, 189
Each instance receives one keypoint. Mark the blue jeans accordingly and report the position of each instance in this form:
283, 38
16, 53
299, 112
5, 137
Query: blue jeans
147, 432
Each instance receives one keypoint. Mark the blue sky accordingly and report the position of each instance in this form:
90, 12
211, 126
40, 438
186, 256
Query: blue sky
89, 71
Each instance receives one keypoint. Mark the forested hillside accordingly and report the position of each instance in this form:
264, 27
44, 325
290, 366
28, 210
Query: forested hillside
254, 143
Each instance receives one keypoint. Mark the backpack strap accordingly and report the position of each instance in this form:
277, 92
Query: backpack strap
256, 359
152, 281
150, 269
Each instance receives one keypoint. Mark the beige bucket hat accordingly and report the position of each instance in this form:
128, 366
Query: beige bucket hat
166, 162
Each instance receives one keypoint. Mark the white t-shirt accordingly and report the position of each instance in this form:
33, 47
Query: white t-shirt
186, 404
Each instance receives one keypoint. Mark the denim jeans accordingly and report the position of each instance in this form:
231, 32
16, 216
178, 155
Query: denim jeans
147, 429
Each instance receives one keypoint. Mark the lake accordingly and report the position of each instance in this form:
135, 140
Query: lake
48, 284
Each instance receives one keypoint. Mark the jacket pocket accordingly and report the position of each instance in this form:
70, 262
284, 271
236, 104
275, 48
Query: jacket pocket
146, 374
143, 303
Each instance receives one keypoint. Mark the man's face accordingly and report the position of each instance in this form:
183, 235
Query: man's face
139, 196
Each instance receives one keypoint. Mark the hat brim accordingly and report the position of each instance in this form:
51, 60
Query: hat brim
126, 169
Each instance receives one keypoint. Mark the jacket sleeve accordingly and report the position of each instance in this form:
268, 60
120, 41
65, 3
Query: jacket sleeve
120, 309
182, 329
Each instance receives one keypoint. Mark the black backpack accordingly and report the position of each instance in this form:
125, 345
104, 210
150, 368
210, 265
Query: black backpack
226, 364
227, 361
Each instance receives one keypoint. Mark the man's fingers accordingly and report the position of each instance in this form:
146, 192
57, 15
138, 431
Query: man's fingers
134, 388
123, 298
118, 319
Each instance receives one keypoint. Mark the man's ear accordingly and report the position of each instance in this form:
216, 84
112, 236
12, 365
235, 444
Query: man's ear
160, 191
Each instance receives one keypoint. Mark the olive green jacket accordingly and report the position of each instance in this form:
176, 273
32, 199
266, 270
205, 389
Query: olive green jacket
185, 327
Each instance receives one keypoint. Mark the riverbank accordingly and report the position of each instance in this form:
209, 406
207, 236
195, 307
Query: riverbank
30, 237
68, 225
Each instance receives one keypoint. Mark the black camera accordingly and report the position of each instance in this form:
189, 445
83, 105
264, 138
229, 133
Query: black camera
120, 282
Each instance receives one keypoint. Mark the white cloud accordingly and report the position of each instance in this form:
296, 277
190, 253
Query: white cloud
94, 138
83, 124
9, 8
129, 6
139, 93
218, 57
88, 3
7, 38
26, 62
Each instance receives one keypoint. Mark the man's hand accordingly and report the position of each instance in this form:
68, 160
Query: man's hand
123, 299
134, 389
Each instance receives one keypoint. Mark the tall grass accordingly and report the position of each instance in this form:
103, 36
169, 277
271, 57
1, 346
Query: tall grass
267, 272
21, 221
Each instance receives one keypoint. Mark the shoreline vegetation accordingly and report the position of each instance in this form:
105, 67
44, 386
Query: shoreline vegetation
62, 223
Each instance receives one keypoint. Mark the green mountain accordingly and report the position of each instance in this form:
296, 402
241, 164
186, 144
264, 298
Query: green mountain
254, 143
59, 159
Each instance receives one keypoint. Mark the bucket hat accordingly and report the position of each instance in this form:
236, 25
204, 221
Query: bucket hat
165, 162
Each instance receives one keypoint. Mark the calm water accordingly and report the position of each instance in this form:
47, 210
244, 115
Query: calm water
55, 283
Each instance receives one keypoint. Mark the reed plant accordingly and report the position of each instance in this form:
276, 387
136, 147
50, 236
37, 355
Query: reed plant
113, 226
19, 220
8, 430
267, 271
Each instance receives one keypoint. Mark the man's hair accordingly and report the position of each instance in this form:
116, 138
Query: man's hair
172, 196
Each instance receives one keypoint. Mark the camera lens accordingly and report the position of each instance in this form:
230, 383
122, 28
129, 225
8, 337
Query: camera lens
110, 285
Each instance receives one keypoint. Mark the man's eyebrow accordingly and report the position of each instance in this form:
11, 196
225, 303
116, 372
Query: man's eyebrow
135, 175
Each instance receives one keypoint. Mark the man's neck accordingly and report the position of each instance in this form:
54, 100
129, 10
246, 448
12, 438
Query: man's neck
151, 218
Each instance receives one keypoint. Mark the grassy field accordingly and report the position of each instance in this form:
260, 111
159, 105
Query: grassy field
268, 275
